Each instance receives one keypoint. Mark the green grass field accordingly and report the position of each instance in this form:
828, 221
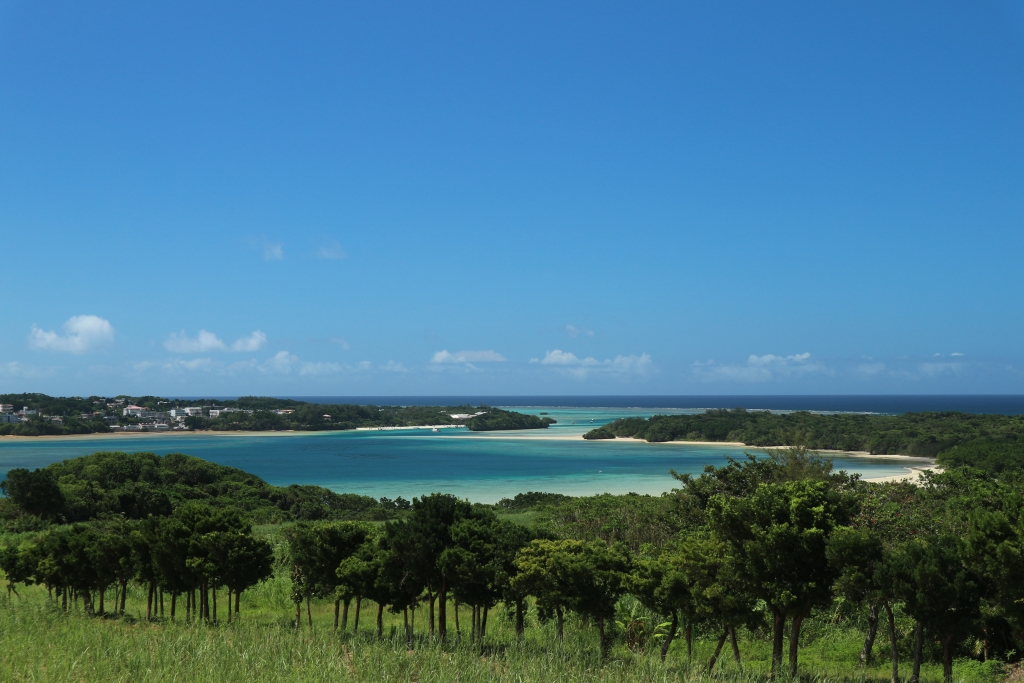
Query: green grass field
40, 643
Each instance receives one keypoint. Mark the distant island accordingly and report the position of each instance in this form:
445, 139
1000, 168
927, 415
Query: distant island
42, 415
990, 442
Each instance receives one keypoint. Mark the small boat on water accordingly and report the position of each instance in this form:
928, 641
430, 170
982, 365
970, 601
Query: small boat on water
435, 429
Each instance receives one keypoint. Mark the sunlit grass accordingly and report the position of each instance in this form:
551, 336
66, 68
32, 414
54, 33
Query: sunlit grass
41, 643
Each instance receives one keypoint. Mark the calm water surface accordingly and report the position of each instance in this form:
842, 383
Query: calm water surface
483, 467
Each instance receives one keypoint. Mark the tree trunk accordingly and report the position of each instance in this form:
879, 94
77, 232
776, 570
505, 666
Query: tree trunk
947, 659
442, 609
689, 639
102, 595
520, 626
472, 623
344, 615
64, 599
161, 602
229, 605
298, 613
718, 650
337, 613
412, 623
561, 623
915, 677
892, 643
213, 591
735, 647
380, 620
794, 645
174, 604
309, 613
124, 596
408, 636
869, 639
458, 629
431, 597
778, 627
188, 606
671, 635
238, 595
149, 602
483, 622
359, 608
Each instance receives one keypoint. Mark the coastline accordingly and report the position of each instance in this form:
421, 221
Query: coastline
147, 435
914, 473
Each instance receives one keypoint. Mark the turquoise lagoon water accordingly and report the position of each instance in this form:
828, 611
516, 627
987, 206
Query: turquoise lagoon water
483, 467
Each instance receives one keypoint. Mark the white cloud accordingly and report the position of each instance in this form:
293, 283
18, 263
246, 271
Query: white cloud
870, 369
254, 342
179, 342
559, 357
956, 354
392, 366
570, 363
340, 341
468, 357
82, 333
284, 363
15, 369
272, 251
932, 370
331, 250
760, 368
280, 363
574, 331
205, 341
317, 369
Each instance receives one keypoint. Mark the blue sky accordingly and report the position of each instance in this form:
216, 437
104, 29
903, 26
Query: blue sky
502, 198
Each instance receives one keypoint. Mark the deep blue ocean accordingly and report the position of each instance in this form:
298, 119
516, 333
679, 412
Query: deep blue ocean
1006, 404
483, 467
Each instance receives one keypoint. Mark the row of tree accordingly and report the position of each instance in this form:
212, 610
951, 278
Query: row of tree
764, 544
189, 553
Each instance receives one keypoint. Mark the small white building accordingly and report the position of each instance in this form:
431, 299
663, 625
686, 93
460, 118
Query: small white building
6, 408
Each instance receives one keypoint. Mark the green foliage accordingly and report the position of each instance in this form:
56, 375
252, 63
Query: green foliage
137, 485
925, 434
532, 499
495, 419
253, 413
994, 456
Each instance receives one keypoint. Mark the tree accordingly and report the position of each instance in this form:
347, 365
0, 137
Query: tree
369, 573
587, 578
660, 585
720, 595
35, 492
420, 540
940, 590
778, 535
316, 551
18, 563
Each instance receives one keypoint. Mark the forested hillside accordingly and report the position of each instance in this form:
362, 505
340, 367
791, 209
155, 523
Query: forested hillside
138, 485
